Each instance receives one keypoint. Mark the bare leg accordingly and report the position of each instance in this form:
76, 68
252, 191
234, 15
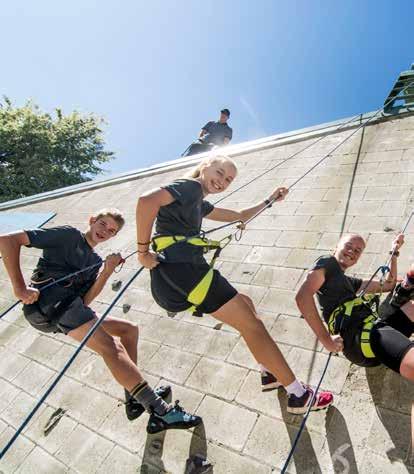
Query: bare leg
408, 309
113, 353
407, 365
126, 331
239, 313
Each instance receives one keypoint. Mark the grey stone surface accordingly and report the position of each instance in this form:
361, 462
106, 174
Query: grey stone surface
207, 363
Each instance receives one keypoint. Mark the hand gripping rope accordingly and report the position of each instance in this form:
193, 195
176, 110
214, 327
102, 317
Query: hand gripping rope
67, 277
269, 204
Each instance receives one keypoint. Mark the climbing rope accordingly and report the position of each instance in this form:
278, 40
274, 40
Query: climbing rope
280, 163
100, 320
303, 423
67, 277
68, 364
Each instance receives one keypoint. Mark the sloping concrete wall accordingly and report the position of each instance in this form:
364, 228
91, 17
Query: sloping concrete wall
366, 186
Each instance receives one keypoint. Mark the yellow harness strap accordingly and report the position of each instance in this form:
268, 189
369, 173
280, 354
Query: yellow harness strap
198, 294
345, 309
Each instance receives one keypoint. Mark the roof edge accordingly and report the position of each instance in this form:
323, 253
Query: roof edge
231, 150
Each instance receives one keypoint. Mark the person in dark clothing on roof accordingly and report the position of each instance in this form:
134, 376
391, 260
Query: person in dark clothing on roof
212, 134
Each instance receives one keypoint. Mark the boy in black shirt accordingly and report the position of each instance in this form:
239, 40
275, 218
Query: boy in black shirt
65, 307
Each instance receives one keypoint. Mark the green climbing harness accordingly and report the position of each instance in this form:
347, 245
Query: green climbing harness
198, 294
353, 321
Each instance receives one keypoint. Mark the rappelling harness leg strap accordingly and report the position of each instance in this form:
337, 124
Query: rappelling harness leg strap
342, 319
199, 293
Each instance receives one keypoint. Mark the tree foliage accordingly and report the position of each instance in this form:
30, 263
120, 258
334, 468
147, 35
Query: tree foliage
40, 152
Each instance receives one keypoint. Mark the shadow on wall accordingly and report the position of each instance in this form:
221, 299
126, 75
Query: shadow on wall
393, 397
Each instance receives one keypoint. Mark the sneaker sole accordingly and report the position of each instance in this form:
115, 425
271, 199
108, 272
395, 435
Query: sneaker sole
271, 386
174, 426
303, 410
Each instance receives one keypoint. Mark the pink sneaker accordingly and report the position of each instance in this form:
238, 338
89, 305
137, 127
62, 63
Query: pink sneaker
299, 405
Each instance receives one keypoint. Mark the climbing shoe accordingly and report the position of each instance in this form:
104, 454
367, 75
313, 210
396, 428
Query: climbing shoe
269, 382
175, 418
134, 409
300, 405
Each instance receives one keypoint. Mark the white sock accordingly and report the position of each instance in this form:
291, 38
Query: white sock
296, 388
263, 368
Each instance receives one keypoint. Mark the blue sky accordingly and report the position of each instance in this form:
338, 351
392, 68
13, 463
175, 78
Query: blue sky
159, 70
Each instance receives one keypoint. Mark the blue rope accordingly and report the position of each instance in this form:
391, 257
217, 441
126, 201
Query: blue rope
305, 418
66, 277
68, 364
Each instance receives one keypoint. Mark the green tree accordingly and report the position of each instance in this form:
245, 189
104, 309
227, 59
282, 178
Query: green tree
40, 152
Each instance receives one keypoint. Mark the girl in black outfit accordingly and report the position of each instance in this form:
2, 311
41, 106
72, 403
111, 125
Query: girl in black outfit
178, 209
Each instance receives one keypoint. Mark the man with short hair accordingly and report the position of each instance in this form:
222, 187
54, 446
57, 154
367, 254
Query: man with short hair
212, 134
64, 307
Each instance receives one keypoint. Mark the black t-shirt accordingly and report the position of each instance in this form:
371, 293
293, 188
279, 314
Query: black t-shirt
217, 132
337, 287
65, 250
183, 217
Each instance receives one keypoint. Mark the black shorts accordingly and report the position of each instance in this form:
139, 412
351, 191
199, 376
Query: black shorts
186, 276
390, 339
73, 316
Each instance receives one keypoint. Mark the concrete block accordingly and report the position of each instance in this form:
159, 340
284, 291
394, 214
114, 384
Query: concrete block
220, 422
291, 222
8, 393
238, 272
394, 208
265, 238
9, 333
11, 364
120, 460
33, 378
242, 356
271, 403
256, 293
84, 450
268, 255
73, 397
327, 208
298, 239
216, 378
389, 193
328, 241
17, 453
342, 194
271, 440
56, 436
278, 277
280, 301
172, 364
40, 462
391, 434
380, 156
302, 258
235, 253
382, 465
295, 332
43, 349
373, 224
308, 367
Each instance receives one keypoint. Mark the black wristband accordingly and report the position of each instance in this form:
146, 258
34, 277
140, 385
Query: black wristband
394, 253
268, 202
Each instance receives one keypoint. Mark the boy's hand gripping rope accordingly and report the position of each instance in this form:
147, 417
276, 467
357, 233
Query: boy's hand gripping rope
67, 277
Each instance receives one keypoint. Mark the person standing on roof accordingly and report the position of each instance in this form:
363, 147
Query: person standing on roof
212, 134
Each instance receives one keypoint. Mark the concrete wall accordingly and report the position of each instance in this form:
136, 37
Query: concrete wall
365, 186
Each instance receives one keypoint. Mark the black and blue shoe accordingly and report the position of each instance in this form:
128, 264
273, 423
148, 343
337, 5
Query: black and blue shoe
134, 409
175, 418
